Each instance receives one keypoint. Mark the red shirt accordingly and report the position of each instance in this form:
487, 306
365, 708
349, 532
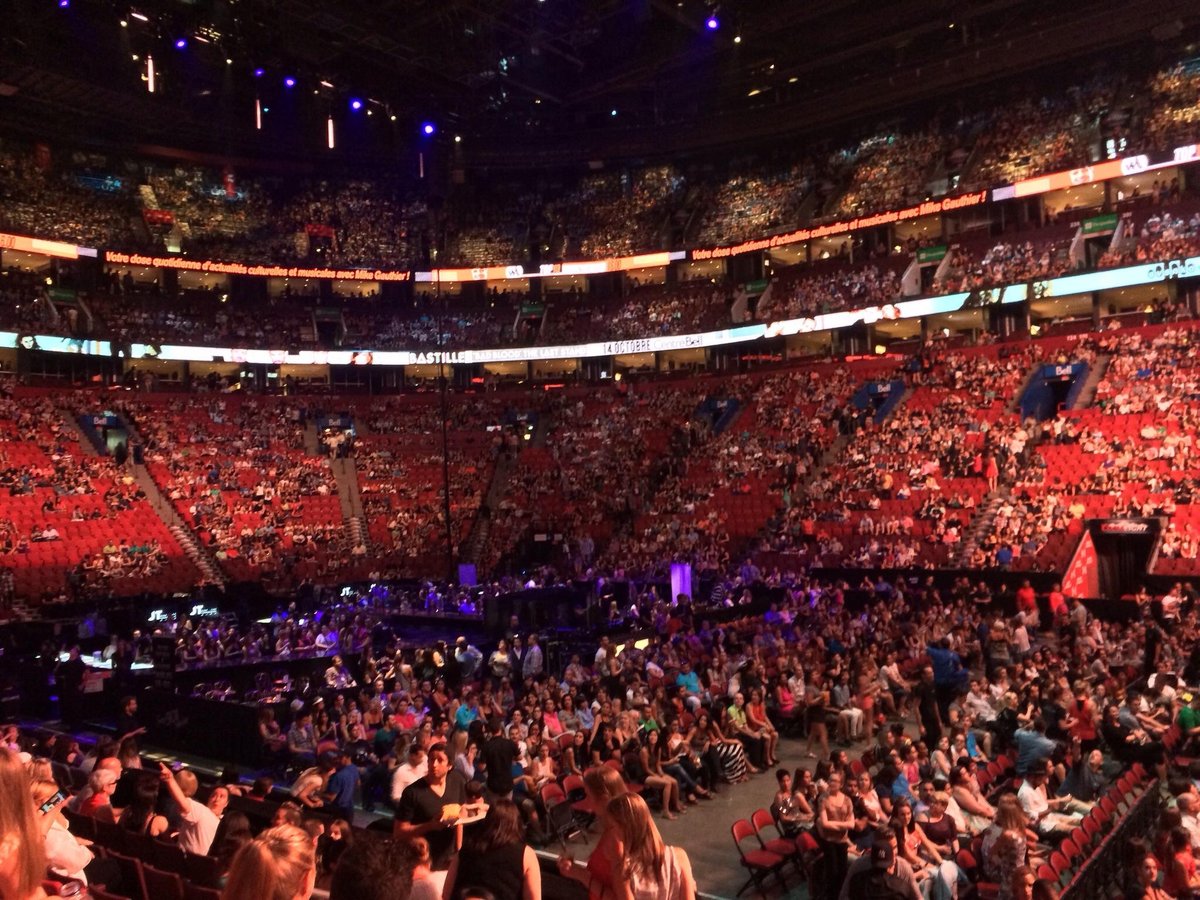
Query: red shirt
1179, 874
1026, 599
93, 804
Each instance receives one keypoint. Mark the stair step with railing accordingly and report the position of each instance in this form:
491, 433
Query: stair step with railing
1095, 376
200, 555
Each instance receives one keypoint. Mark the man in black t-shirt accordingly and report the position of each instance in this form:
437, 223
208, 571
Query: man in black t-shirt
880, 879
127, 721
498, 755
429, 808
927, 708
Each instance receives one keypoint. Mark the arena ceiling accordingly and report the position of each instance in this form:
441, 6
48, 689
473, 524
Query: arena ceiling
524, 82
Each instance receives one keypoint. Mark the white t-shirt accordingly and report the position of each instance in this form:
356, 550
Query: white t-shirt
1033, 801
198, 828
428, 888
405, 775
65, 855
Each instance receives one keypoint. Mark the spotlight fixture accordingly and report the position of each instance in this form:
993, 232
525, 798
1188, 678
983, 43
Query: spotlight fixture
356, 104
712, 23
63, 4
428, 128
180, 43
258, 73
289, 82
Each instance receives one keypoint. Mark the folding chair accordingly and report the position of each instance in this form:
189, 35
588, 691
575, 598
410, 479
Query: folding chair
759, 863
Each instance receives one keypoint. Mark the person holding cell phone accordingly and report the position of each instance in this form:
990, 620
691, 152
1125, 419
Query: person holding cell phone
68, 856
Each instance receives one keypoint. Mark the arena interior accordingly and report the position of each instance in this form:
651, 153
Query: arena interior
599, 449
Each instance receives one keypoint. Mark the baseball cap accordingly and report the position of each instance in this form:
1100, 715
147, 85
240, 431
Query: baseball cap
883, 854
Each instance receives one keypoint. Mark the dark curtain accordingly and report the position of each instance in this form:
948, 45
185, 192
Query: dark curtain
1121, 559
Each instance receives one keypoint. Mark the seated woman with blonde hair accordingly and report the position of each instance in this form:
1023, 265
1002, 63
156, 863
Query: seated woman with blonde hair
22, 835
649, 869
279, 864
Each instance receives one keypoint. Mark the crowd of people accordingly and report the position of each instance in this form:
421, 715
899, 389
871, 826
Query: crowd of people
744, 207
382, 222
124, 310
935, 687
1161, 235
1172, 120
616, 214
237, 471
892, 171
77, 525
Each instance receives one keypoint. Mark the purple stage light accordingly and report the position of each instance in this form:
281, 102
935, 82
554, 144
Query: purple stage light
180, 43
356, 104
428, 128
289, 81
713, 23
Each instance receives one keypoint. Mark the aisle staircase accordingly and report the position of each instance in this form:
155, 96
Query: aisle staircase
86, 443
1095, 376
981, 522
345, 475
199, 554
1014, 403
312, 440
473, 547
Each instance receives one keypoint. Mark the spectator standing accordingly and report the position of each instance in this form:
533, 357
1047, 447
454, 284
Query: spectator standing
533, 665
414, 768
496, 856
431, 807
928, 710
498, 755
469, 657
343, 784
835, 819
649, 868
601, 785
198, 823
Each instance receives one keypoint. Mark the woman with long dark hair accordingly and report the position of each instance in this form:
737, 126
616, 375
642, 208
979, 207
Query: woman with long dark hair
140, 815
733, 755
495, 855
668, 762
